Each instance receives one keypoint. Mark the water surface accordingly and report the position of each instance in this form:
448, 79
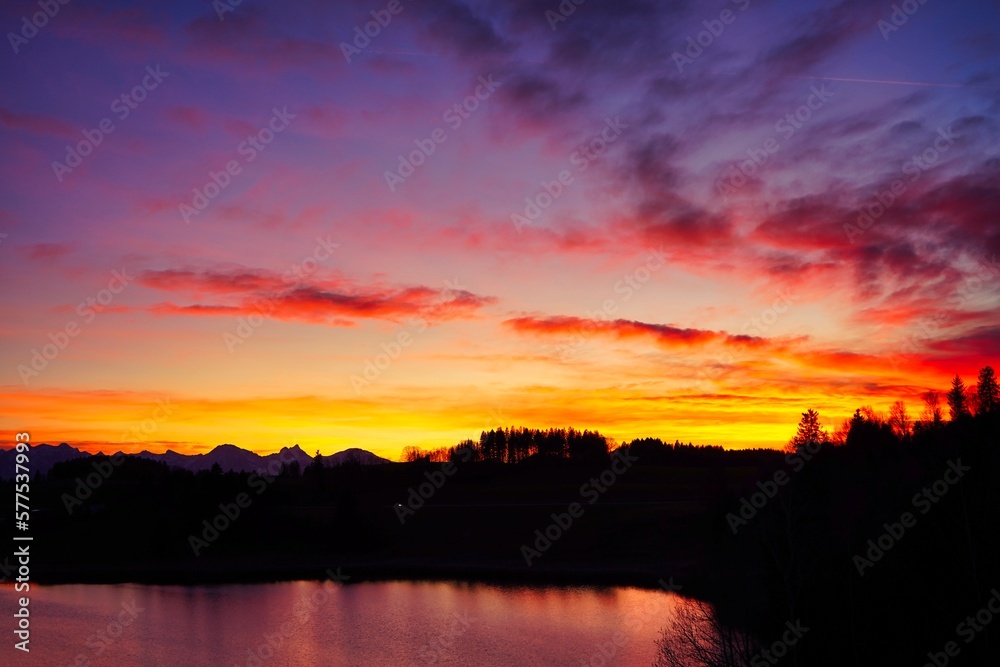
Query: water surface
391, 624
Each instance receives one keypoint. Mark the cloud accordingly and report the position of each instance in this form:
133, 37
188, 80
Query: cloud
188, 117
966, 353
337, 302
47, 252
38, 124
662, 334
816, 35
460, 28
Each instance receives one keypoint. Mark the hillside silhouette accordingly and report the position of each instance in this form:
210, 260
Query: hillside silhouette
884, 529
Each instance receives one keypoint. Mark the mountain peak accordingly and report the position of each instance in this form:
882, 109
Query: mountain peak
228, 456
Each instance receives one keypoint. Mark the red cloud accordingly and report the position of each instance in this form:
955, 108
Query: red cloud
288, 297
48, 252
662, 334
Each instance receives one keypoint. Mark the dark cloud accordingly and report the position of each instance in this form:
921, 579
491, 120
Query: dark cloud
463, 30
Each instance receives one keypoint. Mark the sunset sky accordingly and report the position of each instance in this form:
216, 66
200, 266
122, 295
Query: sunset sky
590, 242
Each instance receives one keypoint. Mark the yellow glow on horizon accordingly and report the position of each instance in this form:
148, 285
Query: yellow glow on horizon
97, 421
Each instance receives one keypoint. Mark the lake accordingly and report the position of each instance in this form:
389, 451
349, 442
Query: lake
392, 624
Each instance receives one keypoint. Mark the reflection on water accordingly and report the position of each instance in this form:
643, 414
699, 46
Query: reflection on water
312, 623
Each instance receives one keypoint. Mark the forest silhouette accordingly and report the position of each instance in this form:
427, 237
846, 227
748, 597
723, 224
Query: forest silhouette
880, 536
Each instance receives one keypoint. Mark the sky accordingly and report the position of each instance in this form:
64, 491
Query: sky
389, 223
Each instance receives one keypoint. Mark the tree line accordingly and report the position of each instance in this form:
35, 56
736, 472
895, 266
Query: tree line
869, 425
517, 444
881, 545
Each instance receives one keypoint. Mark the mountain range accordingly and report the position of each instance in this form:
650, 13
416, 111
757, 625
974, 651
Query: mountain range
42, 457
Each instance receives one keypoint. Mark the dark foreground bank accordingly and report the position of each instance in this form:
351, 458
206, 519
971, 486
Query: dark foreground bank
886, 548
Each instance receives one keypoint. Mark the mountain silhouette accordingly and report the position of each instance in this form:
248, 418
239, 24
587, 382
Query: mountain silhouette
230, 458
41, 458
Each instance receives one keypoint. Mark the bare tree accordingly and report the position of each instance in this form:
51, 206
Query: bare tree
972, 400
871, 415
932, 408
839, 435
899, 420
695, 637
413, 454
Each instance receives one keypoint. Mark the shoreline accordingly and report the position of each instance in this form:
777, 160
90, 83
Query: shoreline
222, 573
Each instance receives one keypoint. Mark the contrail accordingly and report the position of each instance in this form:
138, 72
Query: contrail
894, 83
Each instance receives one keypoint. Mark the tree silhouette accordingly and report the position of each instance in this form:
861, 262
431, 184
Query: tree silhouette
809, 431
869, 429
315, 469
695, 637
957, 403
972, 401
412, 454
899, 421
988, 391
932, 408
